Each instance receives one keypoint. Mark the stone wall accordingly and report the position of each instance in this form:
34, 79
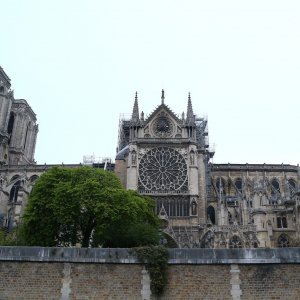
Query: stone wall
275, 281
72, 273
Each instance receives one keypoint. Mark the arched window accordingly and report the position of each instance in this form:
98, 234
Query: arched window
10, 125
26, 135
211, 214
275, 186
275, 192
1, 89
235, 242
230, 220
281, 221
239, 184
283, 241
13, 195
292, 186
292, 183
15, 177
33, 178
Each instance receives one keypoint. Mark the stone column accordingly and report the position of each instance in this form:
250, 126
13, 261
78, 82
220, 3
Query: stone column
66, 281
235, 282
145, 292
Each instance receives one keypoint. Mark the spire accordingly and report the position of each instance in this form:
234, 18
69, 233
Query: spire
135, 111
162, 97
190, 114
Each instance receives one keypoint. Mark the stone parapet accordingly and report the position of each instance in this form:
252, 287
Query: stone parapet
176, 256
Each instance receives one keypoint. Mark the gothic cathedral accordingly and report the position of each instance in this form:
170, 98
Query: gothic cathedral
203, 204
166, 157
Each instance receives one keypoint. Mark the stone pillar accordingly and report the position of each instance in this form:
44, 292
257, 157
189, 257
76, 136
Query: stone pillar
145, 292
235, 282
33, 142
201, 188
66, 281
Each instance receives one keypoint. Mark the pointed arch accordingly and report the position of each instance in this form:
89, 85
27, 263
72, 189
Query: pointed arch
207, 241
239, 184
13, 195
10, 125
235, 242
14, 178
211, 214
33, 178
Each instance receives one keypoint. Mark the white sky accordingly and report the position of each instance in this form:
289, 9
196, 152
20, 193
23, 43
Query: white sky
79, 63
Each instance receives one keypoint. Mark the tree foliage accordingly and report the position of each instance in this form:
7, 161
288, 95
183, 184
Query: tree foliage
8, 238
87, 206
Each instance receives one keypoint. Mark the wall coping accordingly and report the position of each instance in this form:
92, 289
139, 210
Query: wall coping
127, 256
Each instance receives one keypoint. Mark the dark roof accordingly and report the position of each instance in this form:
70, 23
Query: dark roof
123, 153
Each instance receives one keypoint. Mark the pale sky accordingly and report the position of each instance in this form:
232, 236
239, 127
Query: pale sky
79, 63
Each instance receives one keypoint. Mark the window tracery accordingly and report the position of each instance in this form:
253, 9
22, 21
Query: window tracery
292, 186
211, 214
283, 241
162, 126
239, 184
235, 242
13, 195
163, 170
173, 206
281, 221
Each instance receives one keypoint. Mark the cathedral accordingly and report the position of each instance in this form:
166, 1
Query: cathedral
205, 205
166, 157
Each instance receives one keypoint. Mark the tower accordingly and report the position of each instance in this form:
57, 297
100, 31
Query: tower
6, 100
18, 128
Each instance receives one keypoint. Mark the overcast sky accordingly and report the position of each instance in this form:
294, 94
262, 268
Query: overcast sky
79, 63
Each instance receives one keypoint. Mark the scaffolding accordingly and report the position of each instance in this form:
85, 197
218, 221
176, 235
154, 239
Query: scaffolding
124, 126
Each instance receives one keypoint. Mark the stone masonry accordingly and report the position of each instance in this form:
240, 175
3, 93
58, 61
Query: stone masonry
72, 273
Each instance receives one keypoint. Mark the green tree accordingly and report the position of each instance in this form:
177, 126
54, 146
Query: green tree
87, 206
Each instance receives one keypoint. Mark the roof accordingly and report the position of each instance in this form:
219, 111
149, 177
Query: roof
123, 153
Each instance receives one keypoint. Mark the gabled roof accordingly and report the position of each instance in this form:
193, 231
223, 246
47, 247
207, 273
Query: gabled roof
162, 107
5, 76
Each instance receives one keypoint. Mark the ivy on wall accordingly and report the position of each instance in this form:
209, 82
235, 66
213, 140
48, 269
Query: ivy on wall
155, 259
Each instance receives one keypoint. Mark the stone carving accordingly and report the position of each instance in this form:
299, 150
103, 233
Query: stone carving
133, 157
163, 169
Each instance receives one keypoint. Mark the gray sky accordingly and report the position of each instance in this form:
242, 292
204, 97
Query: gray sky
79, 63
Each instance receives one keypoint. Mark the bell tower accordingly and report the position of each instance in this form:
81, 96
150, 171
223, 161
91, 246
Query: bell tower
6, 100
18, 128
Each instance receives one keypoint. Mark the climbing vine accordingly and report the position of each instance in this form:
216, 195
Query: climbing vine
155, 259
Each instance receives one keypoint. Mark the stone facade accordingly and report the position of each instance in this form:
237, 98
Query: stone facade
18, 128
18, 133
203, 204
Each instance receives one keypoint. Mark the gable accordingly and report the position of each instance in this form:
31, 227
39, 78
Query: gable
162, 123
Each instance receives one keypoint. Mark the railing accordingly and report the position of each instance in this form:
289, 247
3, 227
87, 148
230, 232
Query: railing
33, 168
253, 167
144, 192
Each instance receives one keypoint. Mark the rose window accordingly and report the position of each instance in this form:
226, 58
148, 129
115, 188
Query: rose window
162, 127
162, 170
